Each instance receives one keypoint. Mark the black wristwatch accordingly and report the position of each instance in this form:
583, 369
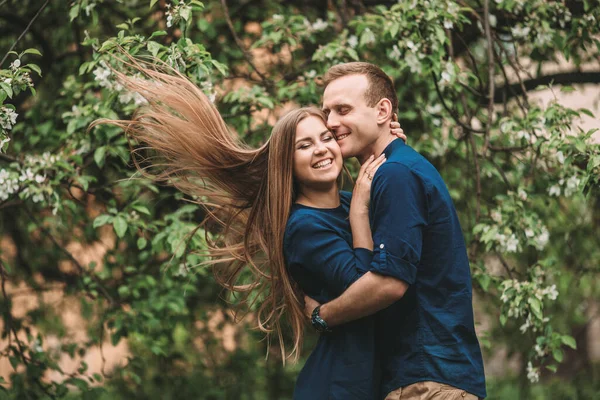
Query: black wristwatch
317, 322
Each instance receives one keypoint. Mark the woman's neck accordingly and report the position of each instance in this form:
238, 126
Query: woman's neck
329, 198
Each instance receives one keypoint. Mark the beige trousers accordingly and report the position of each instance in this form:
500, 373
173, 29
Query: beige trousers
429, 391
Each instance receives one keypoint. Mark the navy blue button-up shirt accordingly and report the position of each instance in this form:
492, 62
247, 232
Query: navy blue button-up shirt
428, 335
320, 258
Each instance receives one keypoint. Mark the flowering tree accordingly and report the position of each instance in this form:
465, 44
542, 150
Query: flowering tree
523, 174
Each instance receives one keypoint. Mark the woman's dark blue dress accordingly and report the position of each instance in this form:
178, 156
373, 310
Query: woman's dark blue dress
320, 258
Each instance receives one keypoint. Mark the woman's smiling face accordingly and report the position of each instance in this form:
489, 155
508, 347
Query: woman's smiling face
317, 157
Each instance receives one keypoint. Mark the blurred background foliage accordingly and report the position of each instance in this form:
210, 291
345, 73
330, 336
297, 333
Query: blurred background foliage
102, 296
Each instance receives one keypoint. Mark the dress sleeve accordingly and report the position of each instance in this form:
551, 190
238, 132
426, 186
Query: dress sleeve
311, 245
398, 216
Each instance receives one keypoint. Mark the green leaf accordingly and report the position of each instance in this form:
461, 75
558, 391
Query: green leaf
221, 67
120, 226
14, 362
141, 243
569, 341
157, 33
153, 47
102, 220
152, 3
394, 30
141, 208
552, 367
74, 12
99, 156
586, 112
558, 355
502, 319
36, 68
122, 26
32, 51
7, 89
352, 53
536, 306
186, 13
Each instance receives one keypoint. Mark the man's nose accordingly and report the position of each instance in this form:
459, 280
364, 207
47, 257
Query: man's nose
332, 121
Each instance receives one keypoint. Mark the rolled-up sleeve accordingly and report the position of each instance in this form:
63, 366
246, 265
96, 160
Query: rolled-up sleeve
320, 250
398, 216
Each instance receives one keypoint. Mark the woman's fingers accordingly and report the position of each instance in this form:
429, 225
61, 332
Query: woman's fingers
373, 166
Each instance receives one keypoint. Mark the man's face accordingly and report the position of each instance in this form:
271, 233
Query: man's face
349, 117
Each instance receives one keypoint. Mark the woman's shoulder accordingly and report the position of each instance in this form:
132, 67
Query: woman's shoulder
345, 197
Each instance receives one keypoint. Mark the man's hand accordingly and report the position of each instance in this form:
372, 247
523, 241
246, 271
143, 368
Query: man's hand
309, 306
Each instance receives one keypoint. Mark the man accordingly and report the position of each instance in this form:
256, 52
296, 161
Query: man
419, 282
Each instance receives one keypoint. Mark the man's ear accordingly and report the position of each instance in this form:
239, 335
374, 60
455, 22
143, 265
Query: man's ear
384, 111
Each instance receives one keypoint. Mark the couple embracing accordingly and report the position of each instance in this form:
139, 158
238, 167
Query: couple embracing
381, 273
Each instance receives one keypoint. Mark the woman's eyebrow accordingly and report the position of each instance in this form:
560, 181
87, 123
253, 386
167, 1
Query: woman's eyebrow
310, 138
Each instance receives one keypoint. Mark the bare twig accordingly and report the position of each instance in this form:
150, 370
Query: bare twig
239, 43
7, 158
71, 257
491, 69
25, 31
455, 117
477, 178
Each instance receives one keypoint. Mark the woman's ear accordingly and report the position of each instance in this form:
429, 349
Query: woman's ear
384, 111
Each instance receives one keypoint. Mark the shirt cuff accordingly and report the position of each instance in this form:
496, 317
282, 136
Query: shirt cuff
363, 259
385, 263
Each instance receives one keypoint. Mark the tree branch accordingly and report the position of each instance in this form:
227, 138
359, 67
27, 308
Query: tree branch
563, 78
25, 31
238, 41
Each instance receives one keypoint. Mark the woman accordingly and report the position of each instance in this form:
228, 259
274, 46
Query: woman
264, 200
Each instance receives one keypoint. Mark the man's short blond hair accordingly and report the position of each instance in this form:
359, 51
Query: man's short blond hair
380, 84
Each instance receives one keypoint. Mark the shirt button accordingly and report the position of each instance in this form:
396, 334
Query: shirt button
381, 246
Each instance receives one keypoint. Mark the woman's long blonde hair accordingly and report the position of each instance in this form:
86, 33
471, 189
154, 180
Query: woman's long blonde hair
247, 191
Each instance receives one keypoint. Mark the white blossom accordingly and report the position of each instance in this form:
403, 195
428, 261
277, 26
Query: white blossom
560, 157
353, 41
542, 240
413, 63
8, 118
539, 351
526, 325
101, 76
277, 17
368, 36
550, 292
529, 232
15, 64
532, 373
512, 244
37, 346
554, 190
522, 194
520, 32
319, 25
496, 216
571, 185
448, 24
395, 54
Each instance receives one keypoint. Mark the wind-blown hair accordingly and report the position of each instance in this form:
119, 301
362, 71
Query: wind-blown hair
247, 191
